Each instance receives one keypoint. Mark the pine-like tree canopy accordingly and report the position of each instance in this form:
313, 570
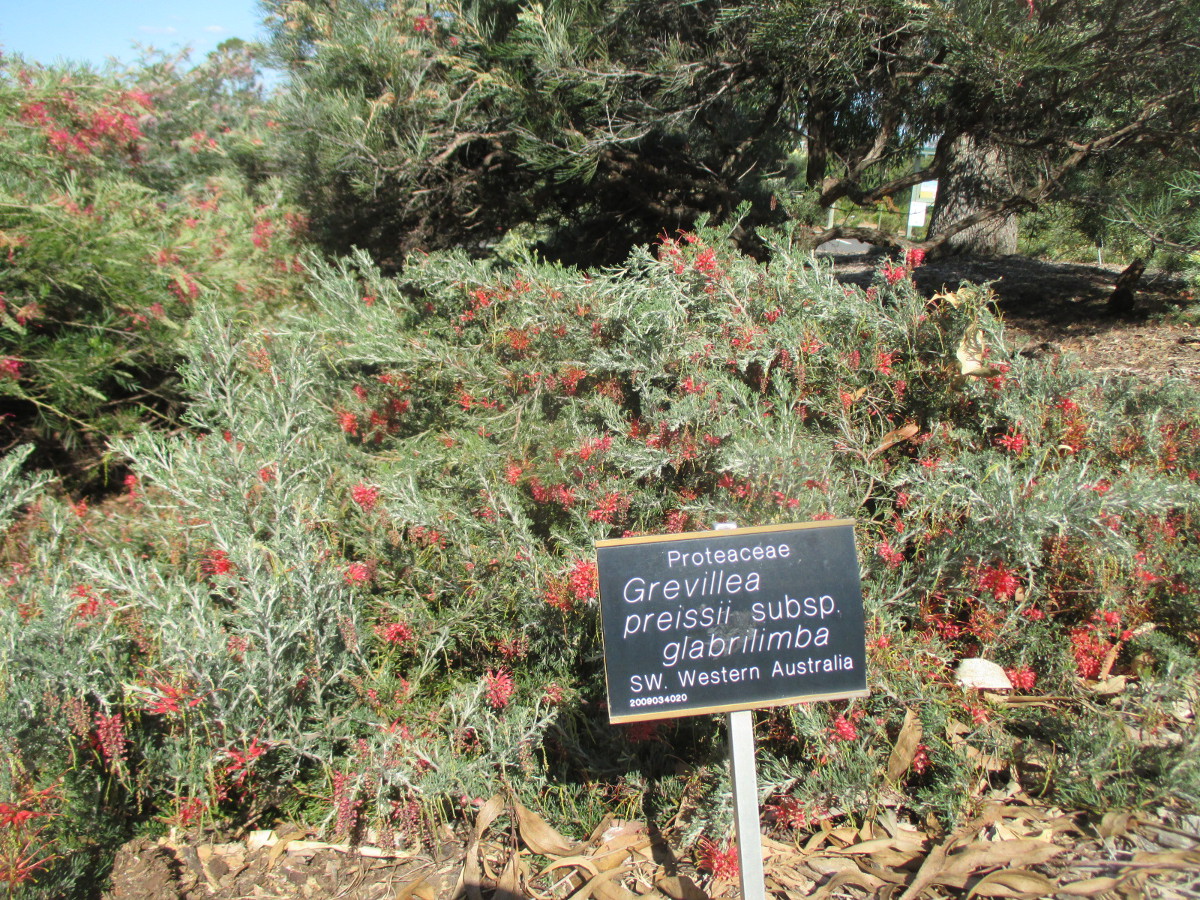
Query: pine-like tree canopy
599, 125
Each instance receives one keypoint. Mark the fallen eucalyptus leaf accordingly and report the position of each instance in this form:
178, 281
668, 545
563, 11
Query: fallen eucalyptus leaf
982, 674
971, 353
905, 750
539, 836
680, 887
1013, 883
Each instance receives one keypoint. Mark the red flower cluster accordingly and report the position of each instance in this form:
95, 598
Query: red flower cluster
365, 496
89, 603
1012, 441
894, 558
110, 736
1023, 679
611, 507
400, 633
843, 730
500, 687
722, 862
169, 698
999, 580
242, 761
590, 448
216, 562
356, 573
584, 580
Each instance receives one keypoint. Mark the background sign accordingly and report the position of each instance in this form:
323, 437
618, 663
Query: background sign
717, 621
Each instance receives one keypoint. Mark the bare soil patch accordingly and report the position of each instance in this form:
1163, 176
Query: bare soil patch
1056, 307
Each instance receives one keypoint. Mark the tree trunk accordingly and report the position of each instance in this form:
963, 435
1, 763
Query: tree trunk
975, 175
1124, 295
817, 126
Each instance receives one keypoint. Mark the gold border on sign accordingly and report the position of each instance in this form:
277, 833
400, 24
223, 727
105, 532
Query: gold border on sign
718, 534
725, 707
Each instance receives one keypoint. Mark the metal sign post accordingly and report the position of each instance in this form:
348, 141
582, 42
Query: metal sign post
744, 774
745, 804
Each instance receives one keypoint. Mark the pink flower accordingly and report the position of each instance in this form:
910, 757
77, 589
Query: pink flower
642, 732
263, 230
884, 360
920, 761
893, 274
706, 261
241, 761
914, 258
10, 368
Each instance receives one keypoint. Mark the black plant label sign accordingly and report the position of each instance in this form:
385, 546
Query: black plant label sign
717, 621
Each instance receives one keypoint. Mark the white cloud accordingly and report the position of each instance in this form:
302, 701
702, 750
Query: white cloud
215, 29
158, 29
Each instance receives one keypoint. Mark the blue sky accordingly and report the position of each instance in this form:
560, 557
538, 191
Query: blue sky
93, 30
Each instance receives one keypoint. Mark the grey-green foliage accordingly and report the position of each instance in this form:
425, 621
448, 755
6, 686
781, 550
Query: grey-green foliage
17, 489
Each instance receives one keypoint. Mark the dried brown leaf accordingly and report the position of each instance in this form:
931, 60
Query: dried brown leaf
1116, 823
1109, 686
615, 850
604, 887
581, 862
929, 871
508, 886
471, 878
853, 876
419, 889
948, 296
971, 353
1088, 887
879, 844
905, 750
281, 845
789, 880
821, 866
680, 887
539, 836
1013, 883
844, 836
983, 854
894, 437
1168, 859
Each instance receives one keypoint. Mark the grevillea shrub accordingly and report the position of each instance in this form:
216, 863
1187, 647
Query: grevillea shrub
359, 591
102, 257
